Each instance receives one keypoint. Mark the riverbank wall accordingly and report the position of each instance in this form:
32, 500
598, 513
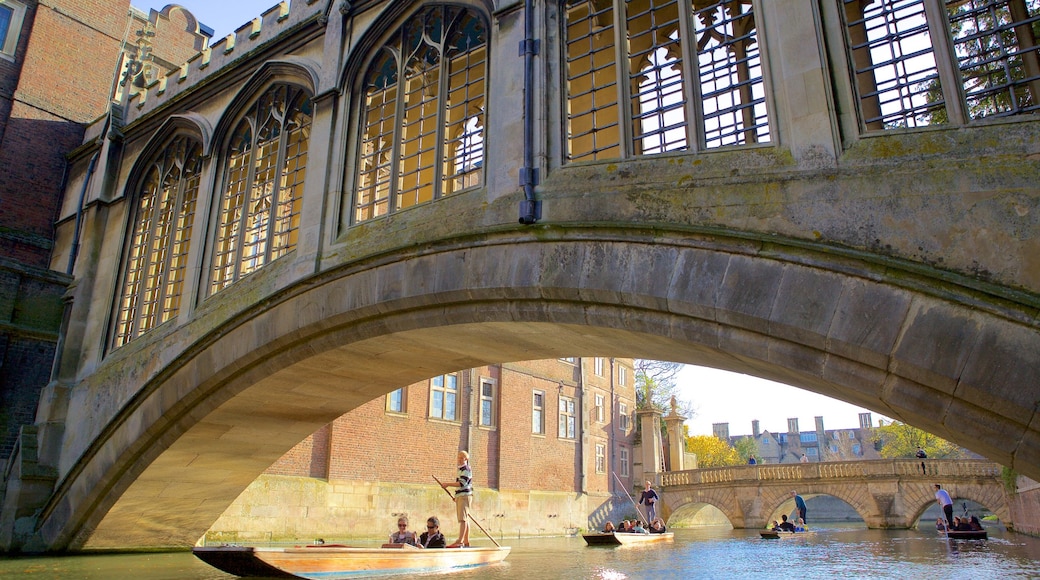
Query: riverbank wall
286, 509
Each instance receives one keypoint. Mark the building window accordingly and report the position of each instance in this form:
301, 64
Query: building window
812, 452
857, 449
569, 359
568, 428
444, 397
900, 49
157, 259
599, 408
639, 105
422, 118
11, 15
487, 402
538, 413
624, 461
396, 401
622, 375
263, 185
807, 437
598, 366
623, 416
601, 458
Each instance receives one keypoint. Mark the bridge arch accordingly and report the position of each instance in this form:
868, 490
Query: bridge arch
197, 421
987, 496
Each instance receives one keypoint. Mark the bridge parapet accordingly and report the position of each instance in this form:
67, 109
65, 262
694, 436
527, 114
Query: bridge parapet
887, 468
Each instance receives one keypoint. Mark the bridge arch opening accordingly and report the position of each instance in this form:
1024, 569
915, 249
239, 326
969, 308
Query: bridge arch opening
196, 423
696, 515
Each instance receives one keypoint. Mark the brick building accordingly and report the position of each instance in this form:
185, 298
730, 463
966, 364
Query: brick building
545, 439
59, 62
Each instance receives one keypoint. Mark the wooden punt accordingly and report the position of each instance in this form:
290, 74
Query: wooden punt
625, 538
775, 535
333, 561
965, 534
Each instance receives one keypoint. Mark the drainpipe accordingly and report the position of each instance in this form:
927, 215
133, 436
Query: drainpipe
613, 428
530, 208
79, 208
584, 428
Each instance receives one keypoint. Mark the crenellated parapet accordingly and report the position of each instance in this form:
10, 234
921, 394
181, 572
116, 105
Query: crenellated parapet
224, 54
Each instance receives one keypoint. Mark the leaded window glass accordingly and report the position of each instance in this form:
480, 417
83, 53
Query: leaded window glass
263, 186
931, 62
693, 77
422, 118
157, 260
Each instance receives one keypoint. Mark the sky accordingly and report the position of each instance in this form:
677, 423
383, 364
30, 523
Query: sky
223, 16
717, 396
724, 397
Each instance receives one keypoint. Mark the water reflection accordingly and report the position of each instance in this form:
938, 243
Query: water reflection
703, 553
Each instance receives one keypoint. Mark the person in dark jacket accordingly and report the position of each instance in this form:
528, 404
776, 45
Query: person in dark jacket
432, 537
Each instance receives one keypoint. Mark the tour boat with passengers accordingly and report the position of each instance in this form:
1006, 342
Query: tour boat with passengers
625, 538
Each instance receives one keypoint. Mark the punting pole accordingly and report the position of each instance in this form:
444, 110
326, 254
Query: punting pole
634, 504
473, 519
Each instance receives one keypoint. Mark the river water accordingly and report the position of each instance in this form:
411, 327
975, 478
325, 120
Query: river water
833, 552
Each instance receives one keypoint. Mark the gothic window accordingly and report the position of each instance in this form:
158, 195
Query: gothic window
422, 118
263, 185
153, 281
929, 62
691, 76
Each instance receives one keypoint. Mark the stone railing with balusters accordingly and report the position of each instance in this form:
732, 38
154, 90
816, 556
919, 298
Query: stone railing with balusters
903, 468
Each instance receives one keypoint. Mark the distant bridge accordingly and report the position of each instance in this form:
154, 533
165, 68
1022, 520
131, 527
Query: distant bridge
886, 493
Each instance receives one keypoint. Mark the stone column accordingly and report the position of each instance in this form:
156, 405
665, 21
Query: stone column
673, 423
653, 462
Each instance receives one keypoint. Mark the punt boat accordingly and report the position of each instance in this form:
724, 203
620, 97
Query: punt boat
336, 562
778, 535
625, 538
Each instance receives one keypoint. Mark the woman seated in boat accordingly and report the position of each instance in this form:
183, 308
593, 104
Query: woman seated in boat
402, 535
962, 525
975, 524
609, 528
432, 537
658, 527
800, 526
638, 528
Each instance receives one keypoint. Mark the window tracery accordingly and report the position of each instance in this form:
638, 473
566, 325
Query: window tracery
422, 118
259, 212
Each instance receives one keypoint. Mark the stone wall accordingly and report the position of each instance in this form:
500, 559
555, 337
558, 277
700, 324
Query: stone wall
1025, 507
278, 508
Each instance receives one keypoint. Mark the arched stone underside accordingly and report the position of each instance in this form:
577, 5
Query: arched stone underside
226, 395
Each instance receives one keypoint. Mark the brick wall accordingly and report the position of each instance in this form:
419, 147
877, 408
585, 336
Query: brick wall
373, 444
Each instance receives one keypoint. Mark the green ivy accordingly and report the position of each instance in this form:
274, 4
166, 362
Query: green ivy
1010, 478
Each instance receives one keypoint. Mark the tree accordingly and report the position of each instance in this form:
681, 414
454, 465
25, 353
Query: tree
712, 451
656, 385
899, 440
746, 447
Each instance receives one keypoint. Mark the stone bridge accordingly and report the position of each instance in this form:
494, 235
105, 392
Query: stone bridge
886, 493
784, 222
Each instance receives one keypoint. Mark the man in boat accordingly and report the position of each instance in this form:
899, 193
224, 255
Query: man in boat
432, 537
785, 526
658, 527
463, 497
799, 504
944, 501
649, 497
